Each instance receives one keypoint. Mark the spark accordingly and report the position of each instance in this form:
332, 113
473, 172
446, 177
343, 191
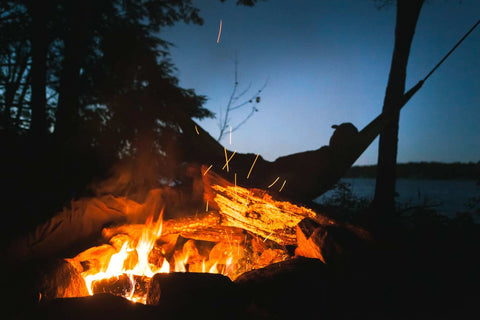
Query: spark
219, 31
230, 135
228, 160
274, 182
208, 169
268, 236
196, 129
252, 166
283, 185
235, 189
228, 239
206, 207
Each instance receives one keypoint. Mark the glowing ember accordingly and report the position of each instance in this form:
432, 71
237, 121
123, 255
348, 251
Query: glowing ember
244, 230
126, 267
121, 263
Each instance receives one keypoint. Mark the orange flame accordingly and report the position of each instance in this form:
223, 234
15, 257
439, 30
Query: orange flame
133, 260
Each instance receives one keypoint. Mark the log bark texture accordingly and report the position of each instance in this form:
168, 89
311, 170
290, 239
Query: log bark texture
255, 210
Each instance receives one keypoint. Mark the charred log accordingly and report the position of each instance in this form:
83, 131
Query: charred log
292, 289
336, 245
197, 294
100, 306
122, 285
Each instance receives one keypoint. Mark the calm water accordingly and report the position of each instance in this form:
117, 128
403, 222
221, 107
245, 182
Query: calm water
451, 195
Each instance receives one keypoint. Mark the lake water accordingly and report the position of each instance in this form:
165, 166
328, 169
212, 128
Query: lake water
451, 195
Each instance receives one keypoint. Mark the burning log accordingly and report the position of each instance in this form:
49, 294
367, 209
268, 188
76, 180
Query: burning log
255, 210
123, 285
60, 279
216, 234
173, 226
119, 286
256, 216
335, 245
93, 258
307, 243
164, 248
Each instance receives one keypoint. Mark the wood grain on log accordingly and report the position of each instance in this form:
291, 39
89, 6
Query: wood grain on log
216, 234
172, 226
254, 210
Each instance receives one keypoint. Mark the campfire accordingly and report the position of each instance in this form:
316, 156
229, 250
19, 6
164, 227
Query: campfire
207, 243
240, 230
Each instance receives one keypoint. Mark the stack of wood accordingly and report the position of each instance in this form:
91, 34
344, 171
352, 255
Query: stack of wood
245, 225
284, 254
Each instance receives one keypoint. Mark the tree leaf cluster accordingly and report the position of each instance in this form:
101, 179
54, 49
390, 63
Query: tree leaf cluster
84, 84
103, 55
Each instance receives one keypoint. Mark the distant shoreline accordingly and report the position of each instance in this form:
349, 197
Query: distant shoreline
424, 170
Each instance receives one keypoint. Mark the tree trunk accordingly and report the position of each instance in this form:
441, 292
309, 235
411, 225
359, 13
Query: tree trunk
21, 99
407, 16
39, 42
67, 115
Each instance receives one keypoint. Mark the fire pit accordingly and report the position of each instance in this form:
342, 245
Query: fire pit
241, 253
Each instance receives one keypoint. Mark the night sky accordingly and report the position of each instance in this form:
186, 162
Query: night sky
327, 62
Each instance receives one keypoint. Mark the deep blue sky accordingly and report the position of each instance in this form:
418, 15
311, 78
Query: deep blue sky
327, 62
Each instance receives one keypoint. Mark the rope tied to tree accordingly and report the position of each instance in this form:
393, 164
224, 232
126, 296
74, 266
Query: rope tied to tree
451, 50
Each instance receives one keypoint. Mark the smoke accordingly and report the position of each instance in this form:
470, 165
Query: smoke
155, 178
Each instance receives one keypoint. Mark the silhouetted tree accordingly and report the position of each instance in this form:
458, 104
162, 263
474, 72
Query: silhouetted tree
14, 65
88, 82
58, 48
406, 21
39, 42
85, 57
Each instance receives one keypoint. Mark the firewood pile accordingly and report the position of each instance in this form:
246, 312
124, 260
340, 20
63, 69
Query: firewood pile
247, 252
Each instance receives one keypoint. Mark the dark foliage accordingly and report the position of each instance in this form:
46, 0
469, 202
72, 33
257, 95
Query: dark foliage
85, 84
